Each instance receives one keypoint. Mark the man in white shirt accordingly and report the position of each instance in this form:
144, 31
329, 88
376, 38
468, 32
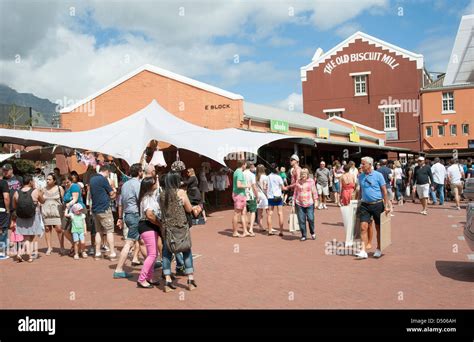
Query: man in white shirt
455, 176
251, 193
439, 175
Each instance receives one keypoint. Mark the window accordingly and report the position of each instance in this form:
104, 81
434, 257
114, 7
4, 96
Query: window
390, 119
429, 131
360, 85
454, 129
465, 129
448, 102
332, 114
441, 130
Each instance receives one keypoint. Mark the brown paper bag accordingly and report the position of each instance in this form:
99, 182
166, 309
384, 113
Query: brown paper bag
385, 231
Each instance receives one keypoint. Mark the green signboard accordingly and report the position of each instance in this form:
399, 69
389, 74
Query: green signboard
279, 126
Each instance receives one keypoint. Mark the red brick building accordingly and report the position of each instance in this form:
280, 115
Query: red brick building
369, 81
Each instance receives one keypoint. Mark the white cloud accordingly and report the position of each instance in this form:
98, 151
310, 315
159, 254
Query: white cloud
293, 102
347, 30
60, 56
436, 51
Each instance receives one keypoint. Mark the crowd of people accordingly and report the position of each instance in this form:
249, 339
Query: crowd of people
378, 186
155, 214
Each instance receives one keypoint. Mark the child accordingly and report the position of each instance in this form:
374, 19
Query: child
78, 229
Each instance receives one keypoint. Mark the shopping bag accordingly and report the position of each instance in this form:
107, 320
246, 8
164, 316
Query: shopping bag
293, 221
385, 231
408, 191
349, 218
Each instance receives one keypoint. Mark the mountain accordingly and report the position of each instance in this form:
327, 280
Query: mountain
44, 106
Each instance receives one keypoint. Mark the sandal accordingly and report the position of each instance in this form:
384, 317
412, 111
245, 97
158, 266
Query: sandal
251, 234
237, 235
48, 252
137, 263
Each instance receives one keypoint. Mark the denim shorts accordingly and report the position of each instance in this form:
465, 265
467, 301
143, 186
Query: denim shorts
76, 237
131, 220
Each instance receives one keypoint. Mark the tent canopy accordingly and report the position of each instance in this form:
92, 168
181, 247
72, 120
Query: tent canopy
127, 138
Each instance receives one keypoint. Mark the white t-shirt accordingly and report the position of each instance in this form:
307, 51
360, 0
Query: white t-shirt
150, 202
261, 185
275, 182
250, 179
398, 173
439, 173
454, 173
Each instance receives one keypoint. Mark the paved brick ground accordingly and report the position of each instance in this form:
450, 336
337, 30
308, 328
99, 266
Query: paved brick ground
420, 270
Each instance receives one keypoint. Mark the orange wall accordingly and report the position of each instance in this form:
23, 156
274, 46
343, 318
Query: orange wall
180, 99
432, 108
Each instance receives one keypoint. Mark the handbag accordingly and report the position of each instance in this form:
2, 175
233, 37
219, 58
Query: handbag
293, 221
177, 239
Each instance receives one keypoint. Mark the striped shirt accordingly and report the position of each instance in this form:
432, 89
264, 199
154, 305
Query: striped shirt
305, 193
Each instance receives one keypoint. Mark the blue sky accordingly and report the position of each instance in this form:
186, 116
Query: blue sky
93, 42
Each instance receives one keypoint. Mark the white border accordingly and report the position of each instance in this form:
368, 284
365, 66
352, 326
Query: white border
360, 73
334, 110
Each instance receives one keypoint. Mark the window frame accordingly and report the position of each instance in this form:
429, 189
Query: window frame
360, 80
447, 101
426, 131
390, 112
444, 131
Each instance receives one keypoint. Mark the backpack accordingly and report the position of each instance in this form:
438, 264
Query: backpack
26, 207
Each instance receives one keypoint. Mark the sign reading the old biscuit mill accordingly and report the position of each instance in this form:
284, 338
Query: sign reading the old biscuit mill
360, 57
218, 106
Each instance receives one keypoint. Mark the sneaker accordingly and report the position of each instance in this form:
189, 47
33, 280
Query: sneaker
362, 255
458, 208
320, 207
76, 256
158, 264
313, 236
425, 212
84, 255
4, 257
303, 239
104, 249
378, 253
122, 275
91, 251
325, 207
98, 256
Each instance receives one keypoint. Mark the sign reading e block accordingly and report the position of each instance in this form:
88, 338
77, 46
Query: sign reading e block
279, 126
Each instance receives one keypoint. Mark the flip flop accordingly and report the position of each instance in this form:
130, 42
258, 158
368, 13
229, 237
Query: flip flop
251, 234
237, 236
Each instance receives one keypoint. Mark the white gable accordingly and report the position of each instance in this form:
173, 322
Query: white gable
365, 38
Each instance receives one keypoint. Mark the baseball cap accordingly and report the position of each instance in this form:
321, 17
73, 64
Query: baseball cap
421, 158
295, 157
7, 167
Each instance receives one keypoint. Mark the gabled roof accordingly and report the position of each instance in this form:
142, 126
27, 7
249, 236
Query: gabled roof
319, 58
158, 71
350, 122
461, 63
295, 119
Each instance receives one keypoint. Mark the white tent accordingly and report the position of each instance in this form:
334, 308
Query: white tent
5, 156
127, 138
